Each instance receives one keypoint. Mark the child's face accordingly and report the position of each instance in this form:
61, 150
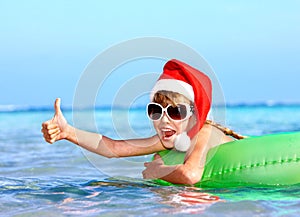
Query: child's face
166, 127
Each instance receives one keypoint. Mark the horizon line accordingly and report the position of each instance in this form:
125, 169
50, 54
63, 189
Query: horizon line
35, 108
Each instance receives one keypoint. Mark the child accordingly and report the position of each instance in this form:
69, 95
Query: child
181, 100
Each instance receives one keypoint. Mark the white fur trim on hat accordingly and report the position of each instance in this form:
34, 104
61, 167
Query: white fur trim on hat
173, 85
182, 142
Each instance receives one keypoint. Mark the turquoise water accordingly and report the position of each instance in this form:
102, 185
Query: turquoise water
39, 179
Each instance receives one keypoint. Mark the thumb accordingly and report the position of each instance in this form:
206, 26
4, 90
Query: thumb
57, 106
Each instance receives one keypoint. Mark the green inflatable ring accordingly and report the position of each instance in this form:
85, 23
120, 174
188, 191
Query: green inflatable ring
270, 160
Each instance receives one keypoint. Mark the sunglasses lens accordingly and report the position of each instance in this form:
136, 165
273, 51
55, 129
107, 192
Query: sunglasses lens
154, 111
177, 113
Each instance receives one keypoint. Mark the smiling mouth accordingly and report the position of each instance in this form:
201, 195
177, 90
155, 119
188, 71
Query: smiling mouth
168, 133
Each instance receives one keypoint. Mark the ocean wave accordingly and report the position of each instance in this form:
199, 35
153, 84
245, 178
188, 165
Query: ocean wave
263, 104
46, 108
23, 108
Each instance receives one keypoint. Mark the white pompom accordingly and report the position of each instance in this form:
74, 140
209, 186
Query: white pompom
182, 142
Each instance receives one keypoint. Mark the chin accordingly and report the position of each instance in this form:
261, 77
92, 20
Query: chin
168, 143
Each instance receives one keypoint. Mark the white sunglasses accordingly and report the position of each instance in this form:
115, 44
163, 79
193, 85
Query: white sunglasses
180, 112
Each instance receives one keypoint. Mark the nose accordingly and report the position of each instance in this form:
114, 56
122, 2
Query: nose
165, 118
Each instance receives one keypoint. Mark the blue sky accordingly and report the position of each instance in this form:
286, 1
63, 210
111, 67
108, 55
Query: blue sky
253, 46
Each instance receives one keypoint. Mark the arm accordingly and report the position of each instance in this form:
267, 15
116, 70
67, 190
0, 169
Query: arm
190, 172
57, 129
110, 148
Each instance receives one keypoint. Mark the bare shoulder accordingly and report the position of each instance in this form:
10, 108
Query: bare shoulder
213, 135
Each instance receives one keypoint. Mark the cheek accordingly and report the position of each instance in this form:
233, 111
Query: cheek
182, 126
155, 125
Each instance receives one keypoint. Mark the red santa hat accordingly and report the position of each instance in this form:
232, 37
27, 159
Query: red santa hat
181, 78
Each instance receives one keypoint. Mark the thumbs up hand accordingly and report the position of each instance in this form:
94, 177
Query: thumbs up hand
56, 128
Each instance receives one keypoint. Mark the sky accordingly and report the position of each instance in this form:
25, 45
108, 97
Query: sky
253, 46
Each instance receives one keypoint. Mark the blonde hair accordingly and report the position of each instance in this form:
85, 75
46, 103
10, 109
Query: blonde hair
164, 98
225, 130
168, 97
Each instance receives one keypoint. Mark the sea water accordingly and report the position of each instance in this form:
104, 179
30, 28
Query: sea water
39, 179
